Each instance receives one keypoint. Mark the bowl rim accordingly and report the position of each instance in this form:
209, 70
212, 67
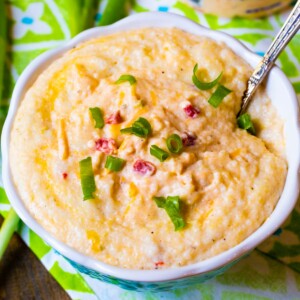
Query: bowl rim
136, 21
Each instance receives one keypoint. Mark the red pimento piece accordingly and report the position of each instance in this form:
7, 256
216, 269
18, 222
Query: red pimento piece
65, 175
107, 146
191, 111
144, 167
188, 139
158, 264
114, 118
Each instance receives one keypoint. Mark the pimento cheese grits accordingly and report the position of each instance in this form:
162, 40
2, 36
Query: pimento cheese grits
127, 148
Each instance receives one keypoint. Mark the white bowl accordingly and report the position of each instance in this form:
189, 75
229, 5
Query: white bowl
283, 98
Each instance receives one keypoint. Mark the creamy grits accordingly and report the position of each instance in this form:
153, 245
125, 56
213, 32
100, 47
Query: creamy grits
228, 180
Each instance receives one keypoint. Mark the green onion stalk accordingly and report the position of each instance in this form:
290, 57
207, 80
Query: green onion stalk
80, 16
10, 223
114, 11
3, 106
8, 227
86, 14
2, 44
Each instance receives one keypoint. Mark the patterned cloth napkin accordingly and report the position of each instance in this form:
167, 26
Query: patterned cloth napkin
269, 272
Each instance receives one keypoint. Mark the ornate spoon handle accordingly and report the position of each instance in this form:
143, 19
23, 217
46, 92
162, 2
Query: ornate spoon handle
289, 29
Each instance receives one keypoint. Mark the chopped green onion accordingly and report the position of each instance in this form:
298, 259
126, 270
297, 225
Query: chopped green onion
128, 130
160, 201
140, 127
159, 153
204, 85
123, 78
134, 130
142, 123
87, 178
220, 93
244, 122
172, 207
174, 143
114, 163
97, 116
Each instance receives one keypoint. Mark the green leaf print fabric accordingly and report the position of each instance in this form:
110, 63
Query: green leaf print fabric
272, 271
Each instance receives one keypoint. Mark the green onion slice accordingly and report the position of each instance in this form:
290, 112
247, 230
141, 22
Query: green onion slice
244, 122
87, 178
142, 123
114, 163
220, 93
204, 85
159, 153
160, 201
140, 127
97, 116
174, 143
138, 131
171, 205
128, 130
126, 77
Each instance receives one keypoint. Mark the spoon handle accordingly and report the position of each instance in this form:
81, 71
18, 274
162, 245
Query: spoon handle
289, 29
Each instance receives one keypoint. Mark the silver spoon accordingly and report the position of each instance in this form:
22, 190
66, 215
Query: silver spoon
289, 29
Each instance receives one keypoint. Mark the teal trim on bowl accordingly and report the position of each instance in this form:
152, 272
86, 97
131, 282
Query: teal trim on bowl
160, 286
